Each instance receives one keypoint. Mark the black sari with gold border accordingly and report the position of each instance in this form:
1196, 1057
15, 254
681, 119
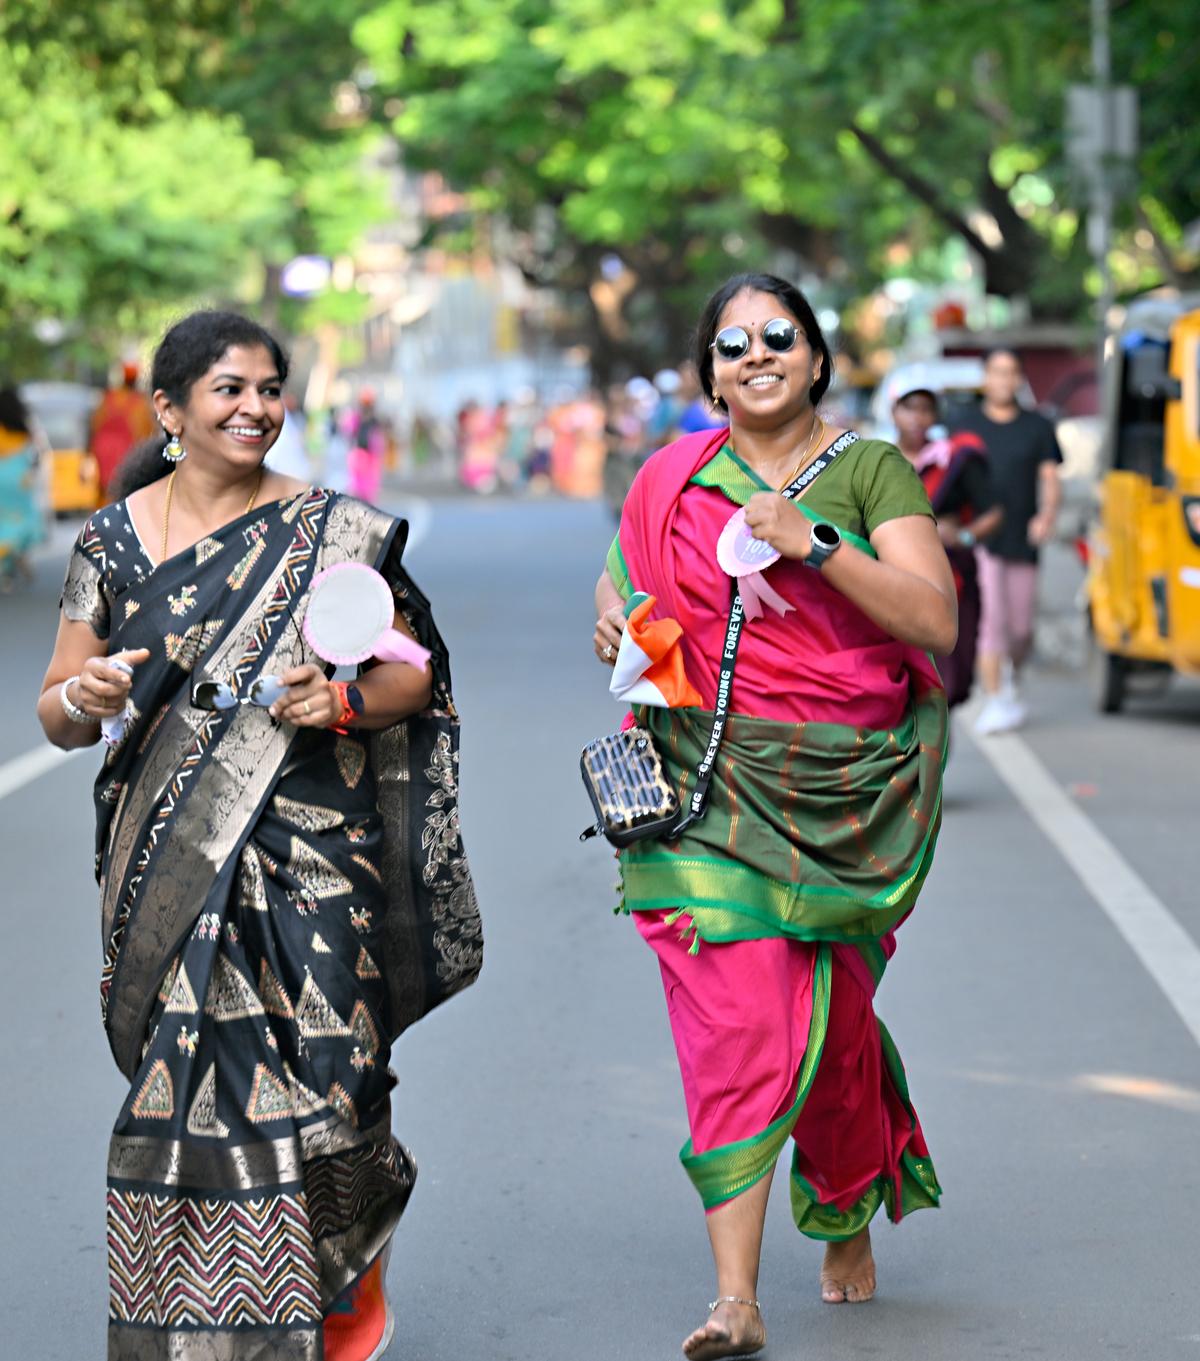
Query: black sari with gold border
277, 906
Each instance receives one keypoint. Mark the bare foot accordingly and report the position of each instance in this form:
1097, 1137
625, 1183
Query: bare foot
848, 1272
731, 1330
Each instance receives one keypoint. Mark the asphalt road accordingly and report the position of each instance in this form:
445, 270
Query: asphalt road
1059, 1089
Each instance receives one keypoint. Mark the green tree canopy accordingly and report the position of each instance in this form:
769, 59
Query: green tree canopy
691, 136
161, 154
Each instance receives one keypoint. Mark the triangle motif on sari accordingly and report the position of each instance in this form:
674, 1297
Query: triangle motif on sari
364, 1028
304, 1100
320, 876
342, 1102
371, 868
206, 549
156, 1100
181, 1000
253, 888
271, 992
164, 993
270, 1098
366, 966
315, 1016
237, 578
309, 817
231, 995
202, 1117
351, 761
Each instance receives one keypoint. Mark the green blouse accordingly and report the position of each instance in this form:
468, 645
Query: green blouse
864, 487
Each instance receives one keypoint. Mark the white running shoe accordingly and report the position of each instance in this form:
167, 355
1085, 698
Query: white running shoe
999, 715
1017, 713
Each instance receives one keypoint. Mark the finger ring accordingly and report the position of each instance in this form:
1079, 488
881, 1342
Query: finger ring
607, 654
307, 707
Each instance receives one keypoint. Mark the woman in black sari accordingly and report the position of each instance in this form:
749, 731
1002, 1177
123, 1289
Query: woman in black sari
282, 880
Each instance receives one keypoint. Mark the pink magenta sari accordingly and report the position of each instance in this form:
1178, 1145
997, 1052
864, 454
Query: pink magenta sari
825, 809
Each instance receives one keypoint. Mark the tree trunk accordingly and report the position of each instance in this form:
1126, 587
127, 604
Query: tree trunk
1011, 269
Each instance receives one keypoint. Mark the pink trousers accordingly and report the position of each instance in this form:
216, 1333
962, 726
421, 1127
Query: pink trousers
1007, 601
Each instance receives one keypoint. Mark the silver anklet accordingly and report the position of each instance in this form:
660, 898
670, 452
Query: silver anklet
734, 1299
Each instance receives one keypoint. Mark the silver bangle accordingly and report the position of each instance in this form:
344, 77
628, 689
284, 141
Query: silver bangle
73, 711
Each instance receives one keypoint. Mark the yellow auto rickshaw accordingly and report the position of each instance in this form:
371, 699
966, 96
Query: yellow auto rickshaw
1143, 586
62, 412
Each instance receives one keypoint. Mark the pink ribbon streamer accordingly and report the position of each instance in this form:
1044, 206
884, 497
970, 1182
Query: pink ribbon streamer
756, 593
395, 646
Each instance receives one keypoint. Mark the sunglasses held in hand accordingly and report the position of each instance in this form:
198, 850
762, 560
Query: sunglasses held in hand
218, 695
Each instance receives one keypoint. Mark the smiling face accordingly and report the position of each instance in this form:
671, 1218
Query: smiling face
765, 388
233, 413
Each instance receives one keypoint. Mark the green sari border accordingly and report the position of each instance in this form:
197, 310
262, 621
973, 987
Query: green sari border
723, 1173
730, 901
617, 569
919, 1187
919, 1190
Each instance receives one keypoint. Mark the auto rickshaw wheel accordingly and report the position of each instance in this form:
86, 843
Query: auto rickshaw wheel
1109, 677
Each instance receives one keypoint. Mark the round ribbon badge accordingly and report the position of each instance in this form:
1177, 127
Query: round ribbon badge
744, 557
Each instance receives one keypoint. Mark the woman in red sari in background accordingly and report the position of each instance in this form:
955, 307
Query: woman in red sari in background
825, 800
954, 471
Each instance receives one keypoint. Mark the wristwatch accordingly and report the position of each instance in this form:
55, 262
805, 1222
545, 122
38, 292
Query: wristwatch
351, 700
824, 541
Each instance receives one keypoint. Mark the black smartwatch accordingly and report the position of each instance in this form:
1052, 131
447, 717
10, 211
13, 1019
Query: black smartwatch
824, 541
355, 700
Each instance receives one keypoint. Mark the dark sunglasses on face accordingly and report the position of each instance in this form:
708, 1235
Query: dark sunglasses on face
732, 342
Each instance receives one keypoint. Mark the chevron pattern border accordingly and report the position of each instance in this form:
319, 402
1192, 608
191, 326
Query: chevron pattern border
179, 1262
343, 1189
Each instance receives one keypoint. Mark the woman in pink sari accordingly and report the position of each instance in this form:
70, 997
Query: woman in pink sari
773, 917
369, 449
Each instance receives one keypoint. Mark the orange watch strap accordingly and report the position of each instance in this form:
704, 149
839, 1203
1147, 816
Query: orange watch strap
339, 723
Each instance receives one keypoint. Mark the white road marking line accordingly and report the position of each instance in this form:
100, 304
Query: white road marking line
23, 770
1167, 952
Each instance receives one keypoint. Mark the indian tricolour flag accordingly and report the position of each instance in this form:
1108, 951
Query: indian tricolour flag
649, 665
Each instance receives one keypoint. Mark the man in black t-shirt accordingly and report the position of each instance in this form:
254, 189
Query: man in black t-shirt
1023, 457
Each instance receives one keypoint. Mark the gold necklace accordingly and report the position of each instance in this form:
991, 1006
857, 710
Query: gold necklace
162, 557
817, 431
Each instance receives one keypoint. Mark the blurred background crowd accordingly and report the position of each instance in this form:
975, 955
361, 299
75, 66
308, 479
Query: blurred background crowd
487, 255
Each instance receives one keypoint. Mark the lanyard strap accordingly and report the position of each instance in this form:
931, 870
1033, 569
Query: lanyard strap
733, 636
